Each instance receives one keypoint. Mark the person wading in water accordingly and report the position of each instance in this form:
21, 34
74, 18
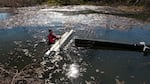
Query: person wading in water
52, 37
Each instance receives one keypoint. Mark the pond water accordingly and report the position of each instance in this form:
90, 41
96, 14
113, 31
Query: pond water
18, 46
133, 35
18, 49
25, 44
107, 65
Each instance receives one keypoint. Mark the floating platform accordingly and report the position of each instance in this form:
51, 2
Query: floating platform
110, 45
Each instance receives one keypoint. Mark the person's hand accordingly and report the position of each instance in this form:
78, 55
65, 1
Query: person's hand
58, 37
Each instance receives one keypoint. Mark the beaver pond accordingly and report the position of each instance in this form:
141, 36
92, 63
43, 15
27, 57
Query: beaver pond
23, 43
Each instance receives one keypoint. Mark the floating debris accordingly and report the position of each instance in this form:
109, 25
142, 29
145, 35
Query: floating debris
18, 43
92, 77
26, 52
102, 72
97, 70
117, 77
34, 60
132, 76
15, 67
35, 45
119, 81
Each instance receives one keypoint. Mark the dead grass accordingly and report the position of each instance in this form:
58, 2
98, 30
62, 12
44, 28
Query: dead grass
132, 9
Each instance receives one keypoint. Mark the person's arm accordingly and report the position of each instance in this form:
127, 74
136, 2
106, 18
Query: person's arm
55, 36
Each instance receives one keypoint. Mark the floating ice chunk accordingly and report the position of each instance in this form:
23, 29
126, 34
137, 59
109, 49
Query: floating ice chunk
117, 76
102, 72
132, 76
35, 45
43, 62
26, 52
92, 77
43, 40
17, 42
119, 81
97, 70
15, 67
34, 60
83, 69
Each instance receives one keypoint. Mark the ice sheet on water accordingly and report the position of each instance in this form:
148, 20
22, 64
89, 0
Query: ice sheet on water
48, 16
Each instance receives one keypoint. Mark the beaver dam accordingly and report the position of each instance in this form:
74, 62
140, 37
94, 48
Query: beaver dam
23, 44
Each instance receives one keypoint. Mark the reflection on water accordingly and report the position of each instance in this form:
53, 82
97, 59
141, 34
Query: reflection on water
4, 15
73, 71
134, 35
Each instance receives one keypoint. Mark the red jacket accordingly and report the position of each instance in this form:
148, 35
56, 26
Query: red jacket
51, 38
